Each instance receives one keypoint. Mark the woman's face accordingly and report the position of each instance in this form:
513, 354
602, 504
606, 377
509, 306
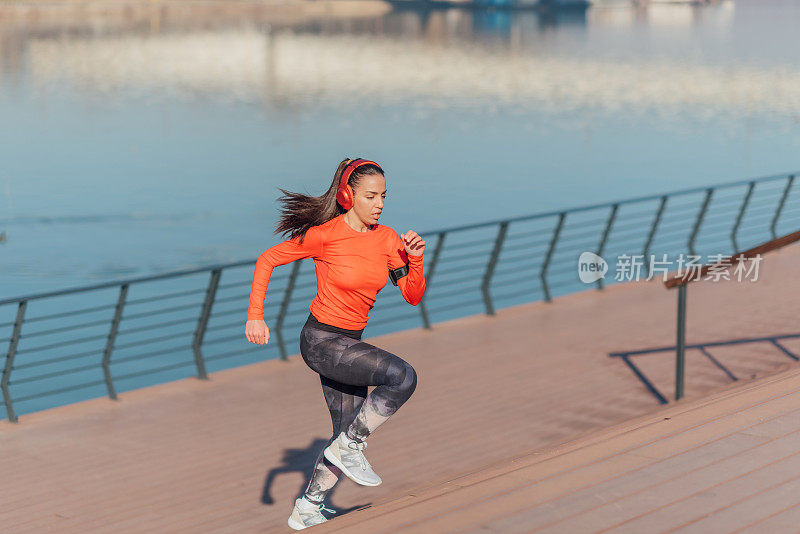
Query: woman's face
369, 196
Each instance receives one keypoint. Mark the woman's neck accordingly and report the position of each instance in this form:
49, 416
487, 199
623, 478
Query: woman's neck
362, 228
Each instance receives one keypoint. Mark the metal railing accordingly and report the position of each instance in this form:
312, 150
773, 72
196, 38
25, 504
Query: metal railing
682, 280
113, 331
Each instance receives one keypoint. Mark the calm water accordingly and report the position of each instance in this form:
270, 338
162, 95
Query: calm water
152, 139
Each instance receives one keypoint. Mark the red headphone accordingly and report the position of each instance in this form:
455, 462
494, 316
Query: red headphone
344, 194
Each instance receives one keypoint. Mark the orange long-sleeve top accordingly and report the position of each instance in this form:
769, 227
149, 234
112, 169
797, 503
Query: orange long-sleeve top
352, 268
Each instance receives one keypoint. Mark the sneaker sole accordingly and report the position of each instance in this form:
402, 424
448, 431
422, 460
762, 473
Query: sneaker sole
335, 461
295, 525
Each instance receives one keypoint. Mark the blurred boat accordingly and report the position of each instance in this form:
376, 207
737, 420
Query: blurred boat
683, 2
539, 5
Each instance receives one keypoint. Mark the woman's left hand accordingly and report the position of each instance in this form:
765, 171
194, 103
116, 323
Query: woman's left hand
414, 244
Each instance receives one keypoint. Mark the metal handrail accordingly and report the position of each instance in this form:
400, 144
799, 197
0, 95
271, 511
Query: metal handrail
682, 280
553, 248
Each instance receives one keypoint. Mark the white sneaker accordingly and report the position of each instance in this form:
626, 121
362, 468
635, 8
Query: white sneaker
306, 514
346, 454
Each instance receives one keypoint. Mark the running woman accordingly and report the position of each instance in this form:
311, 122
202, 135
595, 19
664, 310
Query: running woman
353, 256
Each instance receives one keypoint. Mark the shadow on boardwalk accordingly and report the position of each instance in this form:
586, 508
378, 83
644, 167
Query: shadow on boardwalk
302, 461
705, 350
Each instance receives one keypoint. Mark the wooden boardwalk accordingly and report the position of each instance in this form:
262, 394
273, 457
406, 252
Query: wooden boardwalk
231, 454
728, 463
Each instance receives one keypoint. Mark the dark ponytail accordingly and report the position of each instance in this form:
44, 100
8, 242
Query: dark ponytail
300, 212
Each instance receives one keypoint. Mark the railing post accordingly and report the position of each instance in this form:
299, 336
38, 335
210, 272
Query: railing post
487, 277
549, 255
699, 221
287, 298
12, 351
652, 233
680, 347
606, 232
740, 216
112, 336
780, 205
423, 310
202, 323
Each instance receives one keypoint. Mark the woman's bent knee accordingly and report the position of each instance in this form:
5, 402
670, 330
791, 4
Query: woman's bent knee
406, 380
413, 385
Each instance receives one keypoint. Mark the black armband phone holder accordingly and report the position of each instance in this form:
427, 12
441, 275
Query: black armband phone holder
397, 274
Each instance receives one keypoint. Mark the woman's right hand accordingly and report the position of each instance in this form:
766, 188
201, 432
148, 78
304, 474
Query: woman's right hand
256, 331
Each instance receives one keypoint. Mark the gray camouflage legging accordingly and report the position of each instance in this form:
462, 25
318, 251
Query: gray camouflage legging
346, 366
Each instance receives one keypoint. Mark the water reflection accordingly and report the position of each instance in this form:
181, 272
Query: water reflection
165, 109
455, 57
